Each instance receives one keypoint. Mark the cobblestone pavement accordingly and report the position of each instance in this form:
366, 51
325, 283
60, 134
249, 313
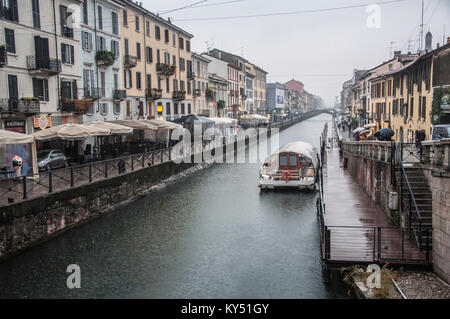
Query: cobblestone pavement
421, 285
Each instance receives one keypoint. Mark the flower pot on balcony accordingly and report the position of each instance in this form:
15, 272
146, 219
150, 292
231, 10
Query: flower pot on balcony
105, 58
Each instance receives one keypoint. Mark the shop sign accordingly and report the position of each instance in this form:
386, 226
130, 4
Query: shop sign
159, 108
42, 122
15, 126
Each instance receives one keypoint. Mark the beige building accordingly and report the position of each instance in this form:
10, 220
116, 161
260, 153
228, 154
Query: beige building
157, 64
259, 91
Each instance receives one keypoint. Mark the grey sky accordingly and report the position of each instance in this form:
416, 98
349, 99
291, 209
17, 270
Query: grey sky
320, 48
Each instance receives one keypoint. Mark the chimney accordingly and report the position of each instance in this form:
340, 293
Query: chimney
448, 39
437, 46
397, 53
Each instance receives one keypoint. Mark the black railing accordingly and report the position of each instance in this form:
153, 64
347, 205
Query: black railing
93, 93
19, 106
165, 69
153, 94
76, 106
120, 94
42, 63
130, 61
179, 95
3, 57
413, 212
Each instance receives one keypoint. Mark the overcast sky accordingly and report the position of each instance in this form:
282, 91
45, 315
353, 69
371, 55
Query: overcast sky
318, 48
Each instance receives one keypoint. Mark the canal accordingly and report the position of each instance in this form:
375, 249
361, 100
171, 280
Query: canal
211, 235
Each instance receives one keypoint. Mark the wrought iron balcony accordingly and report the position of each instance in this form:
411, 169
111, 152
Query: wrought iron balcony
191, 75
119, 94
43, 65
20, 106
76, 106
3, 57
153, 94
93, 93
178, 95
165, 69
130, 61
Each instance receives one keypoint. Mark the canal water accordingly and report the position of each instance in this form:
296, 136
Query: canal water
211, 235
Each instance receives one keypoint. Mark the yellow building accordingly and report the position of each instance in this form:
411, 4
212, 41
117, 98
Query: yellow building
157, 64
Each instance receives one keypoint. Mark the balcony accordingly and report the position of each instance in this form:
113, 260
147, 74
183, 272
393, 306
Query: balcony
105, 58
43, 65
93, 93
3, 57
76, 106
165, 69
179, 95
191, 75
197, 92
130, 61
8, 13
153, 94
119, 94
24, 105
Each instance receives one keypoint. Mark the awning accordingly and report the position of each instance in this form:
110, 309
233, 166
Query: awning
164, 124
112, 127
135, 124
69, 132
8, 137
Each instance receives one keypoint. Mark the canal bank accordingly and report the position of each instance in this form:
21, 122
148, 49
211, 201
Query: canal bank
212, 235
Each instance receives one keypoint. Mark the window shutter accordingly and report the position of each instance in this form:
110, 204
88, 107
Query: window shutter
35, 88
90, 40
15, 11
63, 52
72, 52
62, 17
75, 90
46, 90
83, 44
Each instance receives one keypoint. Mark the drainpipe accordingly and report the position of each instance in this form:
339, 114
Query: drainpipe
96, 50
145, 65
57, 57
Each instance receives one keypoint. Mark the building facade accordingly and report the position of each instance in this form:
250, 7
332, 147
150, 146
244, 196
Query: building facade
260, 91
39, 59
202, 105
219, 86
101, 60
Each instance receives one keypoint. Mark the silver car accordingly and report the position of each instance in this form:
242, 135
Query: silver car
50, 159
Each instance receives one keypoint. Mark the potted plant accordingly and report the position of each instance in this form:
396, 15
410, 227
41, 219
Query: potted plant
3, 55
105, 58
209, 94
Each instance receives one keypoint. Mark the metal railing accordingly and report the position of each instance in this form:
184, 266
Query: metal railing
19, 106
43, 63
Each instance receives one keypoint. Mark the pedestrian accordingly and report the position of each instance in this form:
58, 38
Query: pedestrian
94, 152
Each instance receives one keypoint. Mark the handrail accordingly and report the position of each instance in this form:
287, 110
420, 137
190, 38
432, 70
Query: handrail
407, 183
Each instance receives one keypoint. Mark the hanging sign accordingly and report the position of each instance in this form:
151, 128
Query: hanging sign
42, 121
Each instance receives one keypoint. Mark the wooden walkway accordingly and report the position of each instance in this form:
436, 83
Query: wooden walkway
356, 230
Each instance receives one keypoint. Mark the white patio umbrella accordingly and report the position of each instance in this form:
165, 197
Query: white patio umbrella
113, 128
370, 125
69, 131
358, 129
8, 137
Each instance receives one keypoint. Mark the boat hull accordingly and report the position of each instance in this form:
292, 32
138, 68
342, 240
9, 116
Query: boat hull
281, 184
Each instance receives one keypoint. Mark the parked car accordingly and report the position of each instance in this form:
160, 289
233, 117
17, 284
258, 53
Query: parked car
50, 159
441, 131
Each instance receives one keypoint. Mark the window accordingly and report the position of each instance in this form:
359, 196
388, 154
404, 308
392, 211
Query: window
174, 41
188, 46
158, 58
10, 41
181, 45
86, 40
138, 50
182, 109
166, 36
115, 48
115, 23
412, 107
66, 29
283, 160
127, 52
12, 87
125, 18
149, 81
104, 108
159, 83
189, 108
103, 83
189, 87
167, 108
174, 60
69, 90
136, 17
157, 33
36, 15
182, 64
40, 89
175, 84
116, 81
85, 13
10, 11
128, 108
116, 107
101, 44
67, 53
138, 80
149, 54
424, 107
88, 82
147, 28
175, 108
100, 17
128, 79
181, 85
293, 160
167, 85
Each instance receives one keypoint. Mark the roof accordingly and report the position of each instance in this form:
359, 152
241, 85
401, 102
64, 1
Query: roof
302, 148
200, 57
154, 16
294, 85
215, 77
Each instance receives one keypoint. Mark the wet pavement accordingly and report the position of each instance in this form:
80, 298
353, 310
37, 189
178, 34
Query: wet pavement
211, 235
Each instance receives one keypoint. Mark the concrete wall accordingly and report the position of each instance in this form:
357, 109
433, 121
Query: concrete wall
27, 223
440, 187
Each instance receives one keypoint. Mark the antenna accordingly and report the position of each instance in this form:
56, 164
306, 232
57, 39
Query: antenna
421, 32
242, 51
391, 48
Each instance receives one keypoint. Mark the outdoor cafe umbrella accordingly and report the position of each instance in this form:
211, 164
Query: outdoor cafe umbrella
365, 133
113, 128
135, 124
370, 125
358, 129
69, 131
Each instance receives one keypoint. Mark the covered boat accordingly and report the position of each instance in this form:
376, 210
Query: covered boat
295, 165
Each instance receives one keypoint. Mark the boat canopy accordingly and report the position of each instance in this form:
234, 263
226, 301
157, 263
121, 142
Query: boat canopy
300, 148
